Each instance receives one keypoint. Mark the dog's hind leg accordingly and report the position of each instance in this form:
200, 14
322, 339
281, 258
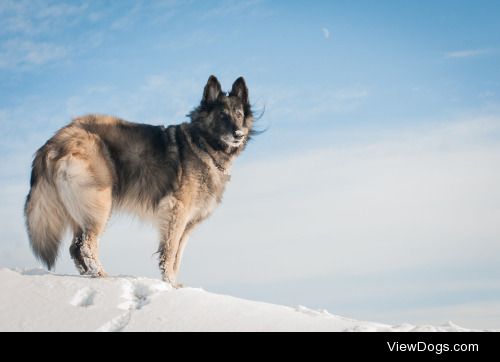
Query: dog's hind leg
90, 210
84, 184
85, 254
92, 207
75, 249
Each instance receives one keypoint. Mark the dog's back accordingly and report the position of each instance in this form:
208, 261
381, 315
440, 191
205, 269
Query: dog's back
144, 159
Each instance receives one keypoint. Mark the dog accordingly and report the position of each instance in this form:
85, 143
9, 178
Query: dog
174, 176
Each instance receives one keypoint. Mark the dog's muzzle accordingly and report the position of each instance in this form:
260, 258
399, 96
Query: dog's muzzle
238, 135
235, 139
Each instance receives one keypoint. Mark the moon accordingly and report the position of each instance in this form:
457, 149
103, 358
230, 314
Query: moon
326, 33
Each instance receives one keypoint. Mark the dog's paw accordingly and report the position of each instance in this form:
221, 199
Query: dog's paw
173, 284
99, 273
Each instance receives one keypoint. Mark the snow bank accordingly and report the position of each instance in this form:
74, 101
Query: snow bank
36, 300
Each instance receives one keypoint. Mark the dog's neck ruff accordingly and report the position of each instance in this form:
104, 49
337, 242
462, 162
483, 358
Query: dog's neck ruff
203, 148
202, 144
219, 166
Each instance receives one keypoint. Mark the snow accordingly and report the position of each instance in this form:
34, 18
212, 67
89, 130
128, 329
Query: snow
36, 300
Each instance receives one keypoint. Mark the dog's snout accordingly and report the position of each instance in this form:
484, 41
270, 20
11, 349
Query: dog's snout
238, 134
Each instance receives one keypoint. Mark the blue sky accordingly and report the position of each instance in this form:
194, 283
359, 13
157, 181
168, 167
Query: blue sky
382, 147
392, 61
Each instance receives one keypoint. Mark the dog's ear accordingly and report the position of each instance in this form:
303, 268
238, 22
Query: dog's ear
212, 90
240, 90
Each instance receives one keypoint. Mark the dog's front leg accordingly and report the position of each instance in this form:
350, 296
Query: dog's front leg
171, 230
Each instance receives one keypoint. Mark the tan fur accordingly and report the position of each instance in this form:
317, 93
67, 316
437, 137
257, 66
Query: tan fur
100, 164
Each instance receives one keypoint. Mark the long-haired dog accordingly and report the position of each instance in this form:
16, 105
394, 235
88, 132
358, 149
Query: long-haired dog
174, 176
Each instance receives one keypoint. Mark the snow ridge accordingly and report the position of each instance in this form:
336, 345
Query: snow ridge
35, 300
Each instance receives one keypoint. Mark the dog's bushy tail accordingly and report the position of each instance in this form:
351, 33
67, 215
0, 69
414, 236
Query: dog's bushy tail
46, 217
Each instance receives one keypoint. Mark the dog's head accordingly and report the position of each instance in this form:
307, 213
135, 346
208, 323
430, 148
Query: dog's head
226, 118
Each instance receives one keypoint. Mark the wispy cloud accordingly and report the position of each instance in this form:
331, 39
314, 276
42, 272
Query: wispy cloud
33, 18
466, 53
17, 53
40, 27
227, 8
127, 19
283, 102
486, 94
157, 99
31, 32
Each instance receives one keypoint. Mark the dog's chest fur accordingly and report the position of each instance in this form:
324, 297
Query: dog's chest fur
202, 191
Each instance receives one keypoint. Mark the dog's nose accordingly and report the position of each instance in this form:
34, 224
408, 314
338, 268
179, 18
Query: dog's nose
238, 134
